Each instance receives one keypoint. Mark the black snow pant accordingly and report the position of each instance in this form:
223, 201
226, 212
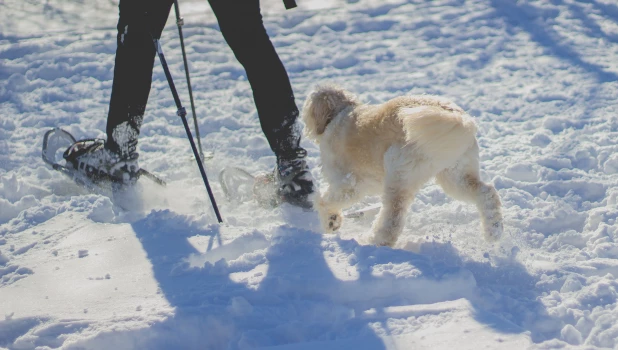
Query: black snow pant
241, 24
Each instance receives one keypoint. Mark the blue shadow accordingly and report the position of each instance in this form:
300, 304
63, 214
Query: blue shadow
529, 18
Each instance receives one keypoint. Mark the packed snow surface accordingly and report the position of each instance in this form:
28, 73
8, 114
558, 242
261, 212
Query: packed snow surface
540, 78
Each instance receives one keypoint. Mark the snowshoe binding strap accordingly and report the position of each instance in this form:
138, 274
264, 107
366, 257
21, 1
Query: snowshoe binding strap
103, 165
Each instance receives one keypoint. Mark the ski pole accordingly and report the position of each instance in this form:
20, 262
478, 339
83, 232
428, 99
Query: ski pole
180, 22
182, 113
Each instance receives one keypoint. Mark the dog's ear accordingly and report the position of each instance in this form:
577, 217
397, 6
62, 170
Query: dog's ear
317, 112
321, 106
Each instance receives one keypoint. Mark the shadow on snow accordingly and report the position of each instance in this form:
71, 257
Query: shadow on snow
297, 299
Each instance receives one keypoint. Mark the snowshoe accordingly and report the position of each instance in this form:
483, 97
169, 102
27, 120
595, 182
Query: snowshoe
98, 172
239, 186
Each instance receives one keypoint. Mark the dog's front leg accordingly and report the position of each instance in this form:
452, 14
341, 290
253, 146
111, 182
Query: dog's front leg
330, 204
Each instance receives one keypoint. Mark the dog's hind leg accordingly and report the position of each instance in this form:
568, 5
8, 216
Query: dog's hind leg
405, 174
463, 182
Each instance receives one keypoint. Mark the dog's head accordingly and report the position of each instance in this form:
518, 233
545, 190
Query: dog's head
321, 107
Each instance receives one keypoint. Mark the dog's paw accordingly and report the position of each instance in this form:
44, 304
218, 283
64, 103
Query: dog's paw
333, 222
494, 231
331, 217
382, 239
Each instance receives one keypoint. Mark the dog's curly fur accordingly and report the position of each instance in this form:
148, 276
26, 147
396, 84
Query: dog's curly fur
392, 149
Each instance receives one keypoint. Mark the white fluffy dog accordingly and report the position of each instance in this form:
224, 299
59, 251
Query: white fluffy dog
393, 149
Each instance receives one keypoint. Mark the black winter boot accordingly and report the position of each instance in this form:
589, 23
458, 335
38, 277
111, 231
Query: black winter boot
94, 161
293, 178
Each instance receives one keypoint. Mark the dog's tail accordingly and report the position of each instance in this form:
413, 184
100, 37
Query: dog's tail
441, 134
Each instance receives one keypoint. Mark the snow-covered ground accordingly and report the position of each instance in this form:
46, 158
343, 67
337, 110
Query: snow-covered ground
539, 76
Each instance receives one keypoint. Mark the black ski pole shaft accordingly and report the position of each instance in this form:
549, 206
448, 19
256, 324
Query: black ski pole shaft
182, 113
180, 22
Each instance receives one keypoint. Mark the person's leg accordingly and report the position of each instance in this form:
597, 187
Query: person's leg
242, 27
139, 22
